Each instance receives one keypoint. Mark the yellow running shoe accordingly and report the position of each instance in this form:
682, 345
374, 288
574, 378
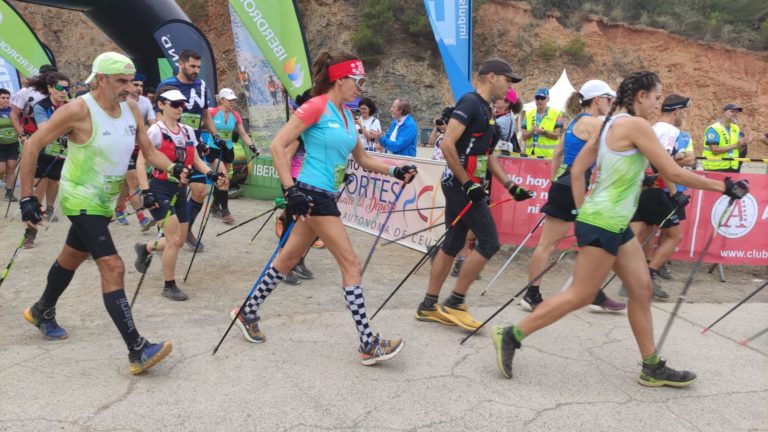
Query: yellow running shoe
460, 316
433, 314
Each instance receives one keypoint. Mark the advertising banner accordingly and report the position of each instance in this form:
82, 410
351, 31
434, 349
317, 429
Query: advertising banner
275, 28
19, 46
9, 79
368, 197
451, 22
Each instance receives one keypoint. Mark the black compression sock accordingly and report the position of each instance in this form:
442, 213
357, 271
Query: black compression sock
170, 283
58, 280
224, 199
120, 312
455, 299
194, 209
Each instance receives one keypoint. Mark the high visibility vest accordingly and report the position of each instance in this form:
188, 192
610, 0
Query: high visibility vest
539, 145
724, 139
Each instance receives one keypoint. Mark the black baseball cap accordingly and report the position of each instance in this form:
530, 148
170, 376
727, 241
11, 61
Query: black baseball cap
675, 101
732, 107
499, 67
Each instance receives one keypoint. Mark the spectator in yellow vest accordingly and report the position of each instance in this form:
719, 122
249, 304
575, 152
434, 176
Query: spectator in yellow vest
721, 139
542, 127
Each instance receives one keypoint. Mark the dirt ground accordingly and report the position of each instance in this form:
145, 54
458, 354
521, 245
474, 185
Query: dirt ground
224, 272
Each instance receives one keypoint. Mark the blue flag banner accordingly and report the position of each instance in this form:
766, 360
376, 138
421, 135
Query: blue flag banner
174, 36
451, 22
9, 79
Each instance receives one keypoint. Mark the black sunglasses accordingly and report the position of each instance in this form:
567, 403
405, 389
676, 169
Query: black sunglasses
541, 98
175, 104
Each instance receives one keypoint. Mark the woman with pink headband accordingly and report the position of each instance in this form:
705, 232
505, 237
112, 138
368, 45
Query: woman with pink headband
328, 131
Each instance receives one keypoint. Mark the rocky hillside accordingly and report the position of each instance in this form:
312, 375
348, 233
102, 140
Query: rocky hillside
539, 48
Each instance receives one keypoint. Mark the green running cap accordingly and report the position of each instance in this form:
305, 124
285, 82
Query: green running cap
111, 63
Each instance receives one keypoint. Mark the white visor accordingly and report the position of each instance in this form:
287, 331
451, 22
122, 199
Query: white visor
173, 96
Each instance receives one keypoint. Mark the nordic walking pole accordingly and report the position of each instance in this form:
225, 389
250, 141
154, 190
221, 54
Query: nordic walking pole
15, 179
504, 267
256, 283
417, 209
645, 242
707, 328
694, 270
4, 275
206, 215
266, 221
539, 276
392, 206
746, 342
154, 246
279, 203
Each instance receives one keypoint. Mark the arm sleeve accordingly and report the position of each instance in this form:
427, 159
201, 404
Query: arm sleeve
310, 112
155, 135
41, 116
406, 134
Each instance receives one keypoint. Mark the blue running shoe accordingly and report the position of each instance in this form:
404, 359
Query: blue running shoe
146, 224
46, 322
121, 219
148, 355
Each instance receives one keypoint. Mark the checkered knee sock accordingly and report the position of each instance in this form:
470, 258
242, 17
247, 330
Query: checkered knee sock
356, 302
268, 283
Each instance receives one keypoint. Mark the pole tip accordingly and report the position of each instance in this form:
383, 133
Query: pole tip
744, 342
706, 329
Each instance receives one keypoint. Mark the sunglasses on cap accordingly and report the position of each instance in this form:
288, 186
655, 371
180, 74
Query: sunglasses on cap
59, 87
175, 104
359, 80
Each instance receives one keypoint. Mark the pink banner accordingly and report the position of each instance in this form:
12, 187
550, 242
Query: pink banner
742, 239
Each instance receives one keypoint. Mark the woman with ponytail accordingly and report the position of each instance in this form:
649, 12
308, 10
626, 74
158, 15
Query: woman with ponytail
622, 149
585, 106
328, 132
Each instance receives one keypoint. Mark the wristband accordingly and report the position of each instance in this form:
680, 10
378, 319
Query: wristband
508, 184
391, 171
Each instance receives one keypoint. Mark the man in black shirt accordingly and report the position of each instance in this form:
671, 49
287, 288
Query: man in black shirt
468, 145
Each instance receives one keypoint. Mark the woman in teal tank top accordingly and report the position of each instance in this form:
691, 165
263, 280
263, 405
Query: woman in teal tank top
602, 226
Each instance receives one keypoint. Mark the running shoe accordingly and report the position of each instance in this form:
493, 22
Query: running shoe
658, 293
607, 305
217, 212
147, 355
174, 293
505, 344
192, 242
9, 196
664, 272
119, 217
302, 271
29, 242
250, 329
147, 223
51, 215
531, 299
45, 322
142, 257
660, 374
379, 350
291, 279
460, 316
433, 314
227, 217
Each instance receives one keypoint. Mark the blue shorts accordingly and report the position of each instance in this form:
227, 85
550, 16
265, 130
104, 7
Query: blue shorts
164, 191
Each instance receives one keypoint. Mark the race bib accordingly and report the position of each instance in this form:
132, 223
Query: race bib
225, 135
111, 187
191, 119
481, 166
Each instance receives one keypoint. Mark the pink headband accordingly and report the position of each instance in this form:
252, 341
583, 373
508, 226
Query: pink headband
346, 68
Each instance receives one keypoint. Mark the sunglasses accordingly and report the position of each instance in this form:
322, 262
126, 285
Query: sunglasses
359, 80
59, 87
175, 104
541, 98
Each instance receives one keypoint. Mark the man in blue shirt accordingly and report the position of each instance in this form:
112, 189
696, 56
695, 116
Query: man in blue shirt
403, 133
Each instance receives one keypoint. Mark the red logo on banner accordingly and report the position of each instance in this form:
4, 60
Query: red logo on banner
742, 218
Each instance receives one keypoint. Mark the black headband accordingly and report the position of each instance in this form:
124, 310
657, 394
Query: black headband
669, 107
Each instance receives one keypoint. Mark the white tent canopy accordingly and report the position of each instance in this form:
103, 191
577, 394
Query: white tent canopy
558, 94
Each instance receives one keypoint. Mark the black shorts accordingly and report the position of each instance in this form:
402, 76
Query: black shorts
89, 233
654, 207
478, 219
164, 192
323, 202
9, 152
591, 235
49, 167
227, 155
132, 162
560, 203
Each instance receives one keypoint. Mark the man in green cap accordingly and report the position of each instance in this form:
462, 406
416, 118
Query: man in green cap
102, 126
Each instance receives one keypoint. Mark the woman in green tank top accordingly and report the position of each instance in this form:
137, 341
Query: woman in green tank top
625, 141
